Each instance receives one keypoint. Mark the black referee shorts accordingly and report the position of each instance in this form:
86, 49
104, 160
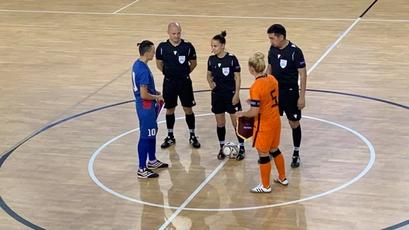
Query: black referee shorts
288, 98
222, 102
179, 87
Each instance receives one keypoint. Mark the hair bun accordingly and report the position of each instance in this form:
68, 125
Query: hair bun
259, 55
223, 33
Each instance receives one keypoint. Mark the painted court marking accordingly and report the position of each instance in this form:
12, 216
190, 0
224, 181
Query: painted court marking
369, 165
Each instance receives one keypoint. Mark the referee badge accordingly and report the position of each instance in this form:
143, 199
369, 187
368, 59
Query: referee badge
283, 63
226, 71
182, 59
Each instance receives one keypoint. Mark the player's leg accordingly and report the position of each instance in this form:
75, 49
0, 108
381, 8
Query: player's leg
232, 109
145, 134
264, 165
294, 116
276, 154
221, 133
219, 109
170, 98
187, 99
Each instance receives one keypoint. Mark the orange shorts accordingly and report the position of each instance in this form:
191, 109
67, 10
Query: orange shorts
265, 141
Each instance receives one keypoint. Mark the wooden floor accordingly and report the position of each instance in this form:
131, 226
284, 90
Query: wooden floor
62, 58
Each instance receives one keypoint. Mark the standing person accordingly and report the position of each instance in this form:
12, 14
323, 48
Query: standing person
286, 62
223, 76
146, 101
267, 124
176, 59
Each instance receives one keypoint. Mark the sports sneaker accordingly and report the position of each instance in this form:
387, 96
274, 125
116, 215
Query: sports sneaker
146, 173
240, 156
194, 142
282, 182
167, 142
221, 155
157, 164
295, 162
260, 189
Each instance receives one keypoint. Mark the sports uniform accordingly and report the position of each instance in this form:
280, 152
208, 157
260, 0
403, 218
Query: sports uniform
223, 70
147, 113
177, 83
176, 72
284, 67
267, 125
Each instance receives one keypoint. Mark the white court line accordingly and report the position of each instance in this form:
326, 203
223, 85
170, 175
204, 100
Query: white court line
198, 15
126, 6
190, 198
174, 15
333, 46
372, 154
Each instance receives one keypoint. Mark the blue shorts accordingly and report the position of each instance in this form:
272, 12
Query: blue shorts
147, 114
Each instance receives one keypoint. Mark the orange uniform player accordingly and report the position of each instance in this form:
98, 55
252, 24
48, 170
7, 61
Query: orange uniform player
267, 124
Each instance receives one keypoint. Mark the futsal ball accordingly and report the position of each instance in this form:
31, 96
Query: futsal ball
230, 149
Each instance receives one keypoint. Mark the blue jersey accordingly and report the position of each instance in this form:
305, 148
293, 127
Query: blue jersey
146, 109
141, 75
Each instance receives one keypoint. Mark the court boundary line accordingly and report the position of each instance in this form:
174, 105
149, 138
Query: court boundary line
130, 4
199, 16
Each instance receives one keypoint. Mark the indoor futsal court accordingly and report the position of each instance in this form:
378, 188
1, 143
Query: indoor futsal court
69, 129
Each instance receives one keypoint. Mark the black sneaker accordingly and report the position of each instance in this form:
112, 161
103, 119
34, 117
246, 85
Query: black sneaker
194, 142
295, 162
146, 173
157, 164
221, 155
167, 142
240, 156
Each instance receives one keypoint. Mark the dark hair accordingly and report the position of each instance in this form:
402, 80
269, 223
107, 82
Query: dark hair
221, 37
277, 29
144, 46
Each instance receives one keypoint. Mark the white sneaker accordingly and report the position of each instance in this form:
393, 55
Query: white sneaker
260, 189
146, 173
282, 182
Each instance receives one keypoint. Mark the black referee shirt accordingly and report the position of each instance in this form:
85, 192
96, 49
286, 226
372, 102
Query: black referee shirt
223, 70
285, 64
176, 58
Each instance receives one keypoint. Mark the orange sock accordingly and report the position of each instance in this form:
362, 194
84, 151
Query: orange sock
265, 170
279, 162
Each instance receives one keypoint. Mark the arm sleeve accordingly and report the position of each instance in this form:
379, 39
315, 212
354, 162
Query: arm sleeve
254, 96
236, 65
299, 59
192, 52
159, 52
209, 65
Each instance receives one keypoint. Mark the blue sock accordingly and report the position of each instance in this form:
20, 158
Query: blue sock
143, 146
152, 149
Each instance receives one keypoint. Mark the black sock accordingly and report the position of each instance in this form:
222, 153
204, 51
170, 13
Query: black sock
221, 134
170, 123
296, 139
241, 142
190, 120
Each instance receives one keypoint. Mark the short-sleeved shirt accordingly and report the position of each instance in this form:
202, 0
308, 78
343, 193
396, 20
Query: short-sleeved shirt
223, 70
264, 94
176, 58
285, 64
141, 75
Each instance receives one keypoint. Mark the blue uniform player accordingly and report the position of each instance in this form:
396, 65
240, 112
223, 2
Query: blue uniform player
147, 101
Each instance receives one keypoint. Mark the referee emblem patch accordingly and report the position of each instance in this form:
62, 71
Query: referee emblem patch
182, 59
226, 71
283, 63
